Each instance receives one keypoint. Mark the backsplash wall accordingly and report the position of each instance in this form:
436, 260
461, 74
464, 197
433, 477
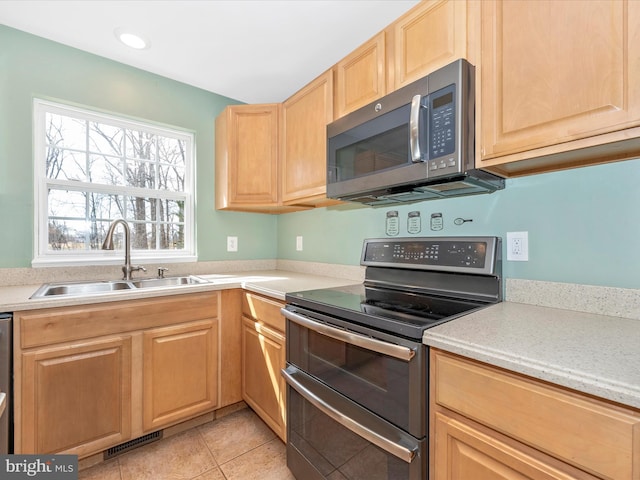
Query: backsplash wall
583, 224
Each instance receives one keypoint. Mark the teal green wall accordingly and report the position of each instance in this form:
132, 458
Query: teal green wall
583, 224
34, 67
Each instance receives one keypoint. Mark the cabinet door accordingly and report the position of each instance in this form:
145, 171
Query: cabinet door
554, 73
263, 388
428, 37
464, 453
304, 142
247, 157
180, 374
76, 399
361, 76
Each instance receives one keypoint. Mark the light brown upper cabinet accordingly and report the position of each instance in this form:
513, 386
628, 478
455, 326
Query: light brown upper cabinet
303, 143
559, 84
247, 157
361, 76
429, 36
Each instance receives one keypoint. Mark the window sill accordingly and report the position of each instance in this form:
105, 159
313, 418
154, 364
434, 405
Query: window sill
85, 261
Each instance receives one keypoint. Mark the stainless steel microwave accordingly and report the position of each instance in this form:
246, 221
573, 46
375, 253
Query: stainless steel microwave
416, 143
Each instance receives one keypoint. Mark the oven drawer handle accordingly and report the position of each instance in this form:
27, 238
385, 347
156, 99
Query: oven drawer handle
384, 443
397, 351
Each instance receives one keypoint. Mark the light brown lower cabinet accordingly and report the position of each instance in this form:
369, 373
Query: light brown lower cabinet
263, 356
466, 451
76, 398
180, 368
492, 424
93, 376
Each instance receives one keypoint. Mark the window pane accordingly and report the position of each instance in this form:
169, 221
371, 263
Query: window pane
171, 236
140, 208
65, 132
142, 236
72, 235
69, 204
172, 151
171, 211
140, 145
106, 139
105, 207
106, 170
59, 235
171, 178
141, 174
66, 165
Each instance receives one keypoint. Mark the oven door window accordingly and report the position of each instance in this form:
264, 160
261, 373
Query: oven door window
388, 386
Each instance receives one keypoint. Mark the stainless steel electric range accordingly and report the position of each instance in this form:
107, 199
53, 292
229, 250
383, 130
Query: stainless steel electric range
357, 371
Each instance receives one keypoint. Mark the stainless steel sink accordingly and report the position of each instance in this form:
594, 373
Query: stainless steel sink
168, 282
79, 289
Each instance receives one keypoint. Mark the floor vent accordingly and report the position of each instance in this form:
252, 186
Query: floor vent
131, 444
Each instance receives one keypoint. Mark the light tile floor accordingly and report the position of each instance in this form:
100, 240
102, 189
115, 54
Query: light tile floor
238, 446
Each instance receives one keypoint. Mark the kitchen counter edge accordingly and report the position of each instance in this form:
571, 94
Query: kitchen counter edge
593, 354
273, 283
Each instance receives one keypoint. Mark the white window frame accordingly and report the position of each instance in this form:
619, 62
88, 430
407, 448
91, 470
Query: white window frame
42, 256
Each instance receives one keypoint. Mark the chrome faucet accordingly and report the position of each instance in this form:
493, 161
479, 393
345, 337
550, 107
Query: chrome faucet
108, 245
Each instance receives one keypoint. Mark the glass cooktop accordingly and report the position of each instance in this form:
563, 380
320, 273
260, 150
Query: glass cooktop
393, 311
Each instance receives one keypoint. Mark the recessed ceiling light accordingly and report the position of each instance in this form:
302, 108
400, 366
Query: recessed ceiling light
130, 39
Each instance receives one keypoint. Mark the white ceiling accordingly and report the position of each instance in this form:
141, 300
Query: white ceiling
255, 51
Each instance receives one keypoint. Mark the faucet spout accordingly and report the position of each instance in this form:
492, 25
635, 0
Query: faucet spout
108, 245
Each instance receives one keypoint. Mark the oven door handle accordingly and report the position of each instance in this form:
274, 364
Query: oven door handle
403, 453
391, 349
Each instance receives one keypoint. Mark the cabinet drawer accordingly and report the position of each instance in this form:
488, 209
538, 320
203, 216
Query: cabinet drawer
593, 435
56, 325
263, 310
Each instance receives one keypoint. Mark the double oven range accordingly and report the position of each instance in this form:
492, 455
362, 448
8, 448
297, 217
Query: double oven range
357, 370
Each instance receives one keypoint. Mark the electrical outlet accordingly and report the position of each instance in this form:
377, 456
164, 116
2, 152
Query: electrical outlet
518, 246
299, 243
232, 244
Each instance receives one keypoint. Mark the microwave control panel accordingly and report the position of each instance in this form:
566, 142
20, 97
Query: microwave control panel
442, 131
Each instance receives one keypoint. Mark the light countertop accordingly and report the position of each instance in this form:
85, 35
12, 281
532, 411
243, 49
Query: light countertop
275, 283
594, 354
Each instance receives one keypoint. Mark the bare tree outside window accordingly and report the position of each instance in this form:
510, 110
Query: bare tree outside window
96, 171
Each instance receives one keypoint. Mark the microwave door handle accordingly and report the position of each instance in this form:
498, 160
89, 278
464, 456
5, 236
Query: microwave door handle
390, 349
388, 445
414, 129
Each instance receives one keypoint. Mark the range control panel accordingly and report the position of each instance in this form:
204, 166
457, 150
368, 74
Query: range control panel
456, 254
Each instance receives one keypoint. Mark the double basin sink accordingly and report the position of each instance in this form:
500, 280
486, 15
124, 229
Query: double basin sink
91, 288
